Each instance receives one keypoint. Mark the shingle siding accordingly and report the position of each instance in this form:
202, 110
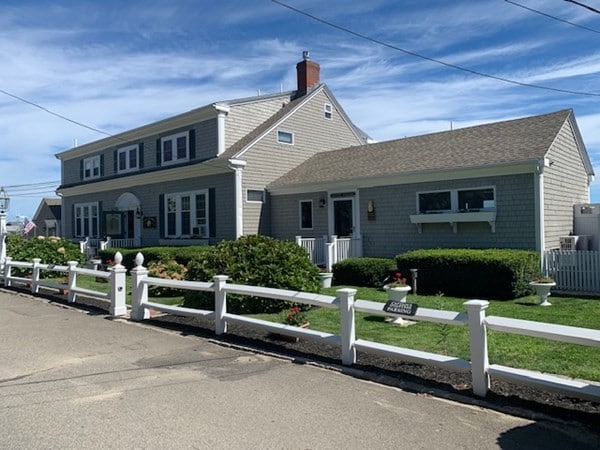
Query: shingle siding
268, 159
392, 232
565, 184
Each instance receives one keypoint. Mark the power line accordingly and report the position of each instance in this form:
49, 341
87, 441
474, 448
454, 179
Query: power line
583, 5
428, 58
551, 16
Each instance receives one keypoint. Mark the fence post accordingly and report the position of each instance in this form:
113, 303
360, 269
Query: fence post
348, 333
72, 281
479, 352
220, 304
35, 275
118, 291
7, 271
139, 290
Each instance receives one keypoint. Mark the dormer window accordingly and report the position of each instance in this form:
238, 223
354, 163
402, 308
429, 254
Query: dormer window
285, 137
174, 148
328, 110
92, 167
127, 158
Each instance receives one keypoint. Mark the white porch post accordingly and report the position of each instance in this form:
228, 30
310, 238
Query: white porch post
540, 242
238, 166
222, 112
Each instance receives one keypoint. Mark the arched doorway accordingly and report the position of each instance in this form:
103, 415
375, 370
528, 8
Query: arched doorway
131, 208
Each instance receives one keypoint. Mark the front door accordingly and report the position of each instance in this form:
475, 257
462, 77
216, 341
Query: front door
343, 217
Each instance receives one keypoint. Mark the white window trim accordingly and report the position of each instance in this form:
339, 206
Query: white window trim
89, 206
126, 150
280, 132
93, 162
312, 214
193, 218
328, 109
262, 191
173, 138
454, 207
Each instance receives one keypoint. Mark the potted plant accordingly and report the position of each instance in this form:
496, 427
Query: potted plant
396, 287
326, 277
542, 286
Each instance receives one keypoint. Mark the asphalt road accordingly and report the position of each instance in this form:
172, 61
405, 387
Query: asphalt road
71, 378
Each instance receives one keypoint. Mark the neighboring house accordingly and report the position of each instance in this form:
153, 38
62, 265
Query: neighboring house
509, 184
201, 176
47, 217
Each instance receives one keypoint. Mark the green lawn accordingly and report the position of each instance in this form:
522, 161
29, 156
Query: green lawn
507, 349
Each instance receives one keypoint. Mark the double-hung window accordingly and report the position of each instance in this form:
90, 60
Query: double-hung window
86, 220
175, 148
127, 158
306, 214
186, 214
91, 167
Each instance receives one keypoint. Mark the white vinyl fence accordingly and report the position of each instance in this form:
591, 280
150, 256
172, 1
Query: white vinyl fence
573, 270
474, 319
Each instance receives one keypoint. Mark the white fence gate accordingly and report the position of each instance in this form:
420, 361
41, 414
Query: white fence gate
573, 270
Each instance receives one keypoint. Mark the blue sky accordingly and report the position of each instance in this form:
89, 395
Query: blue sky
116, 65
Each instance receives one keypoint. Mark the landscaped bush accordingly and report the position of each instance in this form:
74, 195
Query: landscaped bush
169, 270
51, 250
500, 274
256, 261
183, 255
368, 272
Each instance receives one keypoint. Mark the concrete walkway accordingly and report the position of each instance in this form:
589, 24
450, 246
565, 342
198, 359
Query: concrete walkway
74, 379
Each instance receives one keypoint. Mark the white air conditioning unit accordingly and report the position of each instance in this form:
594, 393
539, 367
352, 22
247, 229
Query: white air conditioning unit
568, 242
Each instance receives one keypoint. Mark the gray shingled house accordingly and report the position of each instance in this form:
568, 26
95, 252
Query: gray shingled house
201, 176
509, 184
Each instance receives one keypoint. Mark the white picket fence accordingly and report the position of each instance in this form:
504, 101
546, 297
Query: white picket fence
573, 270
475, 319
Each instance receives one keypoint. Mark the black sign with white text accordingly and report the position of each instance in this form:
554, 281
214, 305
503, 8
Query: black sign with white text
394, 306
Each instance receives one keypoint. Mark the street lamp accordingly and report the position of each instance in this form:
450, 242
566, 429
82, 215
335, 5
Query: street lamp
4, 202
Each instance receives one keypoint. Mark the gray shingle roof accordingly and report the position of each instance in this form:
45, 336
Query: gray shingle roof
497, 143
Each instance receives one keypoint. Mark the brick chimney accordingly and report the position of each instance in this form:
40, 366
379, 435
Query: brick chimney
308, 73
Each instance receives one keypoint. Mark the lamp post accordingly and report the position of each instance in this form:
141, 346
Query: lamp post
4, 202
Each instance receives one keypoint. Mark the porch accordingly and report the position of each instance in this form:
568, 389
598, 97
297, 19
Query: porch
327, 250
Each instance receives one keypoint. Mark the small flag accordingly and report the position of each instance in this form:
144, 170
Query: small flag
29, 226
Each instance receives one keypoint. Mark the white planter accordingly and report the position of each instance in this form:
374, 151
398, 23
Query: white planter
542, 290
397, 293
326, 278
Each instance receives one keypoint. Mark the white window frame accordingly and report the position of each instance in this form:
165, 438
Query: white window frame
454, 203
281, 140
127, 151
262, 192
86, 218
328, 111
202, 223
91, 167
173, 140
312, 214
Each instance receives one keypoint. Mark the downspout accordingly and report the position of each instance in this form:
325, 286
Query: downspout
238, 166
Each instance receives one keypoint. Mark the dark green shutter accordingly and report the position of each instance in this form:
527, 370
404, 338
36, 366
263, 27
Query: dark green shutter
192, 143
101, 230
101, 165
158, 153
161, 215
81, 169
116, 161
141, 156
73, 223
212, 213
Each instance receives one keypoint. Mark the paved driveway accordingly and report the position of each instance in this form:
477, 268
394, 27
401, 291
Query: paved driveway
74, 379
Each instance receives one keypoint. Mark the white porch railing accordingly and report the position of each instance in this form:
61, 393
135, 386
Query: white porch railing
90, 247
573, 270
327, 251
474, 319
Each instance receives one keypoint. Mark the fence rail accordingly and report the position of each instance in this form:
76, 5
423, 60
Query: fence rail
474, 319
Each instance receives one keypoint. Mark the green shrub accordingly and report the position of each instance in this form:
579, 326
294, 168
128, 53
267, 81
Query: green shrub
51, 250
169, 270
256, 261
183, 255
368, 272
500, 274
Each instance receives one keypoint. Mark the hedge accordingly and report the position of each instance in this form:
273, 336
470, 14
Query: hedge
500, 274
